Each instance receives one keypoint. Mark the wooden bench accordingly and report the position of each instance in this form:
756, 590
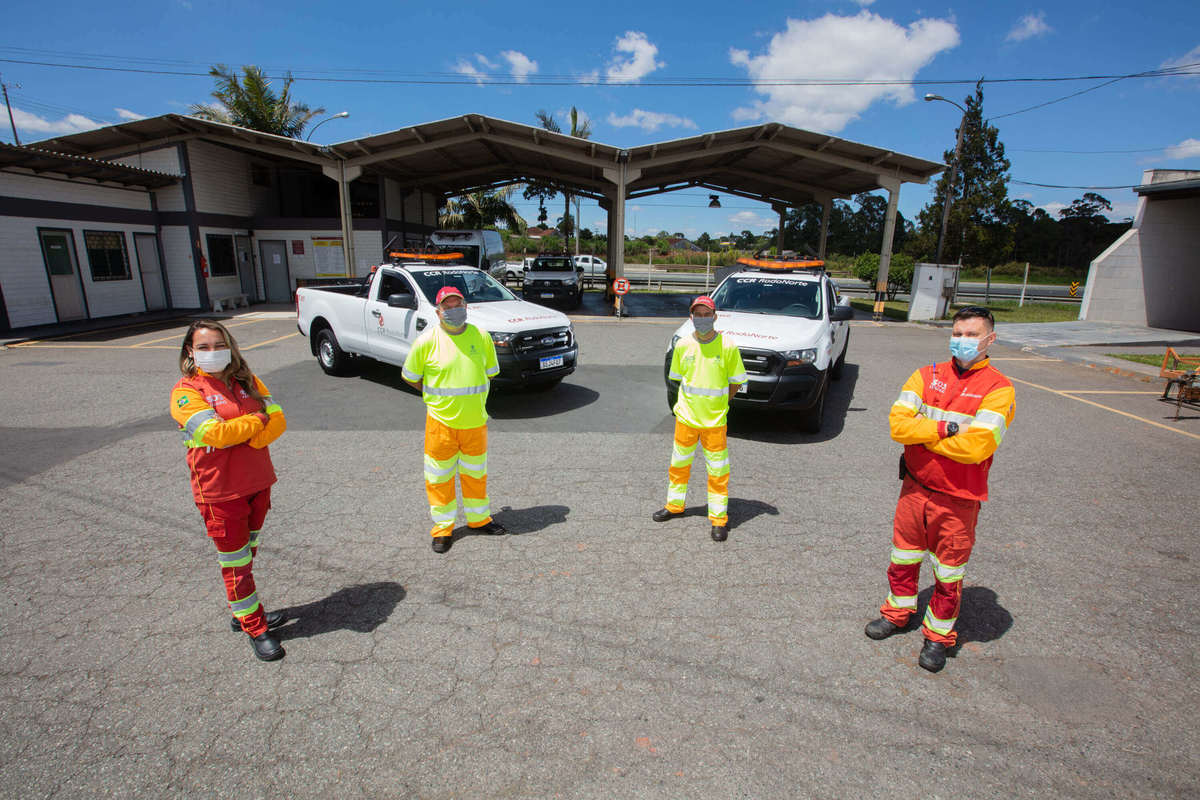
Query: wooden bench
230, 301
1182, 372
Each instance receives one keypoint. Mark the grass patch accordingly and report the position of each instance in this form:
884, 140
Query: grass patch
1147, 358
893, 309
1055, 276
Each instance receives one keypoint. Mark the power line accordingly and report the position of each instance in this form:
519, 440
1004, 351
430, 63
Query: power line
442, 79
1087, 152
1057, 186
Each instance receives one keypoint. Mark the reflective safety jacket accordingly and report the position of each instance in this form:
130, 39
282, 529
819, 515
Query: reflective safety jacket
454, 371
705, 370
227, 445
980, 401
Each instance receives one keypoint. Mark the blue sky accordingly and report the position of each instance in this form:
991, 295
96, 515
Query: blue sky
611, 55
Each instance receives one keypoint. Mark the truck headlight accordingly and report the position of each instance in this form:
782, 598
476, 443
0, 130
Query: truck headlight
798, 358
502, 339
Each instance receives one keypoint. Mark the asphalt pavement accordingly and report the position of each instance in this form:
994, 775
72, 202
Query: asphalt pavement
591, 652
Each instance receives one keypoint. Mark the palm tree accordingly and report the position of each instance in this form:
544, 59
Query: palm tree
477, 210
250, 102
583, 131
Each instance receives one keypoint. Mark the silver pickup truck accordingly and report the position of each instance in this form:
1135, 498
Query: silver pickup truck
382, 316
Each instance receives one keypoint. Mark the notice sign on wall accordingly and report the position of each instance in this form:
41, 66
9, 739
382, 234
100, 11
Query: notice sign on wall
327, 250
297, 247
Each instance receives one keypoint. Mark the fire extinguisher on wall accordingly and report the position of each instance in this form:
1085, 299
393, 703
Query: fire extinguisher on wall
203, 265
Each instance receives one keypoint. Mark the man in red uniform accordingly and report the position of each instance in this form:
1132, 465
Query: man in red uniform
950, 417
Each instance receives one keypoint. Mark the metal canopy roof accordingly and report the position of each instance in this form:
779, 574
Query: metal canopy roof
772, 162
74, 166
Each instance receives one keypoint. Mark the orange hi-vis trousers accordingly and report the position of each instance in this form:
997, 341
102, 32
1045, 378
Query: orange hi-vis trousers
944, 527
716, 461
234, 527
450, 451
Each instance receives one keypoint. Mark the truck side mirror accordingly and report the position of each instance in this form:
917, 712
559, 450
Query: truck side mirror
402, 301
841, 313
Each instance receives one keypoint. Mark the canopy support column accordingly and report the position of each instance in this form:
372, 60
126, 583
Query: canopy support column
885, 252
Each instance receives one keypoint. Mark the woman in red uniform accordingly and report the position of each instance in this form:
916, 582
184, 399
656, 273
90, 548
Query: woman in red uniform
228, 418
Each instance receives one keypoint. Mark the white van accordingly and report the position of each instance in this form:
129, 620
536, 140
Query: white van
482, 249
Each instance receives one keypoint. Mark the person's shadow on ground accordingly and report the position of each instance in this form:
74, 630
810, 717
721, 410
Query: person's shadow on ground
980, 617
740, 511
361, 609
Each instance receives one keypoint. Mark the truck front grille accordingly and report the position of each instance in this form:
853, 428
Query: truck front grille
759, 362
537, 341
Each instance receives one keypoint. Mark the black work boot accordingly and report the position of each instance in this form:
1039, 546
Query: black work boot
493, 528
274, 620
267, 647
719, 533
933, 656
441, 544
882, 628
663, 514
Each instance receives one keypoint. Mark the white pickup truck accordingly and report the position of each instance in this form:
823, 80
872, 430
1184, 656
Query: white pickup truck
382, 316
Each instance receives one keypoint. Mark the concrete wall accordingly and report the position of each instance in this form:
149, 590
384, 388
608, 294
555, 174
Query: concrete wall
221, 182
1170, 243
1114, 291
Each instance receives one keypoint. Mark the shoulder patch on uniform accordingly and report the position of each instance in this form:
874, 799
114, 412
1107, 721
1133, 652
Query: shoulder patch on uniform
182, 401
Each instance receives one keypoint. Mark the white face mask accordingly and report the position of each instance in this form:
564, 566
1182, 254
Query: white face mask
212, 361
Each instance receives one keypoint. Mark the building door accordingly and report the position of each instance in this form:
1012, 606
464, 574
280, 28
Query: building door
245, 266
146, 245
275, 271
58, 250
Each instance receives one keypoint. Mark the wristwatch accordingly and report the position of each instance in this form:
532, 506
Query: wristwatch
951, 428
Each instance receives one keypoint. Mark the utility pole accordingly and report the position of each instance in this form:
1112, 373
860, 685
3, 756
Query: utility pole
4, 86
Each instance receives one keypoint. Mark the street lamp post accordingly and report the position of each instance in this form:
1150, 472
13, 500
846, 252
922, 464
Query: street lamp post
340, 115
949, 178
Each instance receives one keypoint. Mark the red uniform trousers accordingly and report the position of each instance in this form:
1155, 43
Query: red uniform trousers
234, 526
944, 527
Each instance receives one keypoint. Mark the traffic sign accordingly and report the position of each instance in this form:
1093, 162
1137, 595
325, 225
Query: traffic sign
621, 286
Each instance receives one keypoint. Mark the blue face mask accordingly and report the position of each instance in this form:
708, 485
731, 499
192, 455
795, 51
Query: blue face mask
964, 349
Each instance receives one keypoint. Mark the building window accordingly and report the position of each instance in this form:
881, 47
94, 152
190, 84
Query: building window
107, 255
220, 256
260, 174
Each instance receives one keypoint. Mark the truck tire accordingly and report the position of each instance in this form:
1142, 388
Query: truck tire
810, 420
577, 301
839, 366
332, 358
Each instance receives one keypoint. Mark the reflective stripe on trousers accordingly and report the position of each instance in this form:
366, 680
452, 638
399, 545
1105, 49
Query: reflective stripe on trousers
450, 451
713, 442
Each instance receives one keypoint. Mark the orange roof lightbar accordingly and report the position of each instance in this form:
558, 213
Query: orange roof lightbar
395, 254
780, 263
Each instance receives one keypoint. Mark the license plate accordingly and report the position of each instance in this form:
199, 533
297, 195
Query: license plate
743, 388
550, 361
545, 295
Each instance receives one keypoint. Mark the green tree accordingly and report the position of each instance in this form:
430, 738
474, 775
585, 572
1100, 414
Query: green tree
477, 210
900, 271
976, 230
581, 129
250, 102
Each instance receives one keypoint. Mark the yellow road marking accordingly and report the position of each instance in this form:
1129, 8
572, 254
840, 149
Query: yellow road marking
272, 341
1061, 393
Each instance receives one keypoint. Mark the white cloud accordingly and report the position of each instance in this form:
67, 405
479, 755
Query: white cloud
864, 3
590, 78
863, 46
484, 62
1053, 208
1188, 148
71, 123
522, 66
1029, 26
649, 120
750, 220
641, 61
125, 113
470, 70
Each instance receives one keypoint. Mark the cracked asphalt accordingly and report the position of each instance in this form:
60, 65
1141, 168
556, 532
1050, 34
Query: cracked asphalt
592, 652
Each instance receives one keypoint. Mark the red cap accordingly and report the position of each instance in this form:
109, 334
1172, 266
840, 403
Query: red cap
447, 291
703, 300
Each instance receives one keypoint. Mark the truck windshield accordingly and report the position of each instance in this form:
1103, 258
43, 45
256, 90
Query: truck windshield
476, 286
553, 265
470, 252
770, 296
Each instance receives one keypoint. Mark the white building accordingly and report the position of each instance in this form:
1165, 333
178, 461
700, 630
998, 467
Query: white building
1151, 275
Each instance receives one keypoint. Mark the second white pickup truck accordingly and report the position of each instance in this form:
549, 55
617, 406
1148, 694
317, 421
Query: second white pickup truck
381, 317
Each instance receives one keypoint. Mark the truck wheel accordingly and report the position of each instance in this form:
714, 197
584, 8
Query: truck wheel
578, 300
332, 358
810, 420
839, 366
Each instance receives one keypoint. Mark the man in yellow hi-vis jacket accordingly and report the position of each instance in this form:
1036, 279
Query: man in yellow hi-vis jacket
452, 364
709, 372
